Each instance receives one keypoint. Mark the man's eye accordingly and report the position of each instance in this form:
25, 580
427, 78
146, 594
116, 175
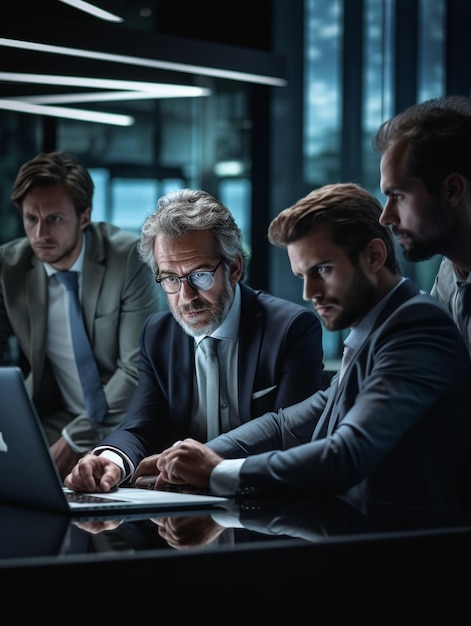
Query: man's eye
171, 279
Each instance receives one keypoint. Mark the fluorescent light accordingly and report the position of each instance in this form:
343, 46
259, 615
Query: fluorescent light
123, 90
157, 89
74, 114
93, 10
145, 62
108, 96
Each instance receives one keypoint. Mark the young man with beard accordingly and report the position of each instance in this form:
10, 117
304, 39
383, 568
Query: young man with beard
426, 178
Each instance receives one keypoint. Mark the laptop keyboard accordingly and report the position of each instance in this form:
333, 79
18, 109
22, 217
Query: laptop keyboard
86, 498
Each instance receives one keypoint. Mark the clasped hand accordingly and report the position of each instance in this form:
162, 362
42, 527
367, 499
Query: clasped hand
187, 462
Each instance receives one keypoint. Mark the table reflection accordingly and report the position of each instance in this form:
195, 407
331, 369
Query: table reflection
28, 533
248, 522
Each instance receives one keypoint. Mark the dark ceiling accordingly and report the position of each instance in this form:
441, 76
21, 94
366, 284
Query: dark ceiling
203, 32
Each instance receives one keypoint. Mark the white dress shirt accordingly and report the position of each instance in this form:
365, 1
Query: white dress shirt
59, 349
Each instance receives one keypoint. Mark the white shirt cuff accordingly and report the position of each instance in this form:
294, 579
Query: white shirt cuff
224, 479
118, 458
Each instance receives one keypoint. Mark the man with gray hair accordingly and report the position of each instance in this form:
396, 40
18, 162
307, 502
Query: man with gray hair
270, 350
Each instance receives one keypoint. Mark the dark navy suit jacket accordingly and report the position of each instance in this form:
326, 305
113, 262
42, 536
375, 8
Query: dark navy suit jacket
280, 363
397, 427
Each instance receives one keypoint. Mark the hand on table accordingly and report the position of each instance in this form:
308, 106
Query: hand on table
93, 473
188, 462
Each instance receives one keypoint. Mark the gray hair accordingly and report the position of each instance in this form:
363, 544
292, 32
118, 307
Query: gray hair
184, 211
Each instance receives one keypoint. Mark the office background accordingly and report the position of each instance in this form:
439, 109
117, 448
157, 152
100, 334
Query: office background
291, 93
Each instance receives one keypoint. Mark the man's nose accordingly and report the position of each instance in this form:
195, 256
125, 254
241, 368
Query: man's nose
312, 288
187, 291
386, 218
42, 228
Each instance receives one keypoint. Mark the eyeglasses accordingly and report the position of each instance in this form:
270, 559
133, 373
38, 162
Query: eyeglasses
200, 281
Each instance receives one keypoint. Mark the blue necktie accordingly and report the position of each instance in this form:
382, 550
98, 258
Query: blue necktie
210, 348
94, 397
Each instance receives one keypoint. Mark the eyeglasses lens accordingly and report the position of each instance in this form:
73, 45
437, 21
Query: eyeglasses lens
201, 281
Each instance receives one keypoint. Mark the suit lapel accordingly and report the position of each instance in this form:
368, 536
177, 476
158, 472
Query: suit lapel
93, 276
250, 338
178, 350
36, 301
338, 403
328, 414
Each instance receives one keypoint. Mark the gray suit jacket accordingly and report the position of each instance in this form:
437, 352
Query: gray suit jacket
119, 294
397, 427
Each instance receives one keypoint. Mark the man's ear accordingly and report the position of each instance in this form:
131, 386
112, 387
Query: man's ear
376, 254
237, 267
454, 185
85, 218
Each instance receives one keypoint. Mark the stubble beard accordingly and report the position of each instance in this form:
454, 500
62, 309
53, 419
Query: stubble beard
218, 314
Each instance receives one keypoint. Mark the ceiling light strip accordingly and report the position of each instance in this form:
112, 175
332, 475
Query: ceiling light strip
74, 114
86, 7
157, 89
105, 96
143, 62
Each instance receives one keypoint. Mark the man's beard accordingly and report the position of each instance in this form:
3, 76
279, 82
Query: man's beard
422, 251
361, 298
419, 253
218, 314
434, 236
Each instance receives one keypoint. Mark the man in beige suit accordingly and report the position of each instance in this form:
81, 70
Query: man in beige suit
54, 195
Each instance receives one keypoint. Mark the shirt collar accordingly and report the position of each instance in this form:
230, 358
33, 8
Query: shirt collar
359, 332
229, 329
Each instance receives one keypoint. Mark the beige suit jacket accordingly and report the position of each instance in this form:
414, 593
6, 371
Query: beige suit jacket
118, 294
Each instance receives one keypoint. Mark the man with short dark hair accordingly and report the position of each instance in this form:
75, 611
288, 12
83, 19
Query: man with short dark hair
54, 194
426, 178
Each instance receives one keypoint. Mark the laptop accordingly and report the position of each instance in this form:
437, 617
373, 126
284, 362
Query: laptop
29, 476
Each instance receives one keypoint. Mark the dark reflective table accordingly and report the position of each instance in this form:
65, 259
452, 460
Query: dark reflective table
281, 553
